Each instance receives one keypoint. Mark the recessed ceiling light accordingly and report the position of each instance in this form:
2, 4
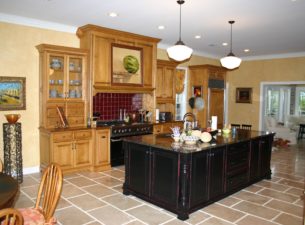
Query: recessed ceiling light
197, 36
224, 44
112, 14
246, 50
161, 27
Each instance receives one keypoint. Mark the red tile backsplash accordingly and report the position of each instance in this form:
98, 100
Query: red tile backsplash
109, 104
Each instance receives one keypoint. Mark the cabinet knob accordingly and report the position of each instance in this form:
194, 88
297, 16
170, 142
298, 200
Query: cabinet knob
103, 137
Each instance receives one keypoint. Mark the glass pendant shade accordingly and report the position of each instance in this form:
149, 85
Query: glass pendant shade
179, 52
230, 61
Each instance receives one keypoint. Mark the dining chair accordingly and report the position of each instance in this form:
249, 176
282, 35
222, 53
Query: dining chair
10, 216
47, 198
1, 166
246, 126
235, 125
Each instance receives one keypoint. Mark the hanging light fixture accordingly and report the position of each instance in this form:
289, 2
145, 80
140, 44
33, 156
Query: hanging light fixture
179, 52
230, 61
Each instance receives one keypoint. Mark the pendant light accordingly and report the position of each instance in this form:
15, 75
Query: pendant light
179, 52
230, 61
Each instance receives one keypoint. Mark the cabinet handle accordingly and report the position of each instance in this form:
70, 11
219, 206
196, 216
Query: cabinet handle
103, 137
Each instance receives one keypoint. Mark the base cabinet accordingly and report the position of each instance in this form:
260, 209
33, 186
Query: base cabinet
102, 150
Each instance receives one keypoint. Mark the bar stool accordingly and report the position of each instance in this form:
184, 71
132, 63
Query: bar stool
301, 131
235, 125
246, 126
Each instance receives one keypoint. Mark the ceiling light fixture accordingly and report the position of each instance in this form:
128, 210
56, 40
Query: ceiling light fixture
230, 61
112, 14
161, 27
197, 36
179, 52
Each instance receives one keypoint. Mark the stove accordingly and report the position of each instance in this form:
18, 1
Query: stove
120, 129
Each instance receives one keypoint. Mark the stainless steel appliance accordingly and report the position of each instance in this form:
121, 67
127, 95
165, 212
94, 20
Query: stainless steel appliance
120, 130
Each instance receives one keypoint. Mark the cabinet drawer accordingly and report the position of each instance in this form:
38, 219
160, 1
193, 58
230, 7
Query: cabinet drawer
74, 121
236, 181
76, 111
237, 160
63, 136
82, 134
52, 112
238, 148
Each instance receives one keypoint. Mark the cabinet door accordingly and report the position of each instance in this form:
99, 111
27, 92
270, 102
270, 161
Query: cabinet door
138, 167
102, 148
63, 155
82, 153
265, 152
75, 76
167, 128
164, 176
159, 82
168, 85
158, 129
216, 172
199, 178
255, 163
55, 78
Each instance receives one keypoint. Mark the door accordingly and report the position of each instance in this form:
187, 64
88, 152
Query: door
164, 176
82, 153
216, 175
216, 105
63, 155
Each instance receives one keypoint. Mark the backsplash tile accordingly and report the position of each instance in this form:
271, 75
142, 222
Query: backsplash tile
109, 104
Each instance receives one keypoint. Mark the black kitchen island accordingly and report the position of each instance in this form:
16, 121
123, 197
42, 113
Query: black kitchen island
184, 178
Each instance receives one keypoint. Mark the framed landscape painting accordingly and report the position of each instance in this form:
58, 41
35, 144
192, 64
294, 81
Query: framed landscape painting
243, 95
12, 93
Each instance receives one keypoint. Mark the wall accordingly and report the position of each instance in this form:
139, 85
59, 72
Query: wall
251, 74
19, 58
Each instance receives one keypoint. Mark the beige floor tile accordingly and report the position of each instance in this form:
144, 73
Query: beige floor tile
122, 202
63, 204
72, 215
288, 176
70, 190
110, 215
215, 221
300, 202
294, 191
94, 223
22, 201
253, 188
86, 202
81, 181
136, 222
223, 212
256, 210
197, 217
99, 190
29, 181
286, 219
31, 191
292, 183
229, 201
251, 197
109, 181
285, 207
175, 222
71, 175
251, 220
149, 215
115, 173
278, 195
89, 174
118, 188
272, 185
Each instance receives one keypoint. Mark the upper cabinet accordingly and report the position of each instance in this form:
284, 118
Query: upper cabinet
63, 83
119, 61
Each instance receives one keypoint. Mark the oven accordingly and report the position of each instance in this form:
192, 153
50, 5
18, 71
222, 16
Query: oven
118, 132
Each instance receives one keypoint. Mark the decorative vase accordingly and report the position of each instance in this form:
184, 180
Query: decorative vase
12, 118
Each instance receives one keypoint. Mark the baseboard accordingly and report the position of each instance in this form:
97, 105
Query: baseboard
30, 170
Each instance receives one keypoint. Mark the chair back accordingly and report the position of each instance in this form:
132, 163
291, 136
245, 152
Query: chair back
235, 125
10, 216
1, 166
246, 127
49, 191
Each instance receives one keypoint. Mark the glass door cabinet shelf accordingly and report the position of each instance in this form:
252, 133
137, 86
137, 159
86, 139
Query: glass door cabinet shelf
63, 83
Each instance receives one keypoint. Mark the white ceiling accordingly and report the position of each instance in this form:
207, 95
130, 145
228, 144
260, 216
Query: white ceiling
269, 28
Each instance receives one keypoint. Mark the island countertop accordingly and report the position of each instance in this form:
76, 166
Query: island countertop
164, 141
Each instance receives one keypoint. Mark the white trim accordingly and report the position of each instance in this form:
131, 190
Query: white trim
262, 85
30, 170
36, 23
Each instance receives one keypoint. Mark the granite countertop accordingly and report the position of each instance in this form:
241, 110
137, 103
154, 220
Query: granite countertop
165, 141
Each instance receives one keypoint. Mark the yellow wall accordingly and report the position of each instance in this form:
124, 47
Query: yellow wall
251, 74
19, 58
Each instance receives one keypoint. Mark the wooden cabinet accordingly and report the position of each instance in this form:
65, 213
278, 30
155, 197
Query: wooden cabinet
102, 150
99, 41
162, 128
63, 83
71, 149
212, 80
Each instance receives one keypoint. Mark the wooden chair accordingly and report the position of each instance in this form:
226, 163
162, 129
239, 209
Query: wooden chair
1, 166
10, 216
48, 196
235, 125
246, 127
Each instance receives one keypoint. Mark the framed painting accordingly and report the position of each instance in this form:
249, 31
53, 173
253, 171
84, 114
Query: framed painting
12, 93
197, 91
126, 65
243, 95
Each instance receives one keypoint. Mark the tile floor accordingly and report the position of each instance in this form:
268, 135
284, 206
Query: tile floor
96, 198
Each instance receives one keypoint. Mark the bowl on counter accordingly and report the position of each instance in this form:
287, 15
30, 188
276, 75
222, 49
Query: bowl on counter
190, 140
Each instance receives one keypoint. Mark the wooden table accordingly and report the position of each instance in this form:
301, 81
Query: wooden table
8, 190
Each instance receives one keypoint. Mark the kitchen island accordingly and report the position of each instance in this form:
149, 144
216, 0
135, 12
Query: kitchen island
184, 178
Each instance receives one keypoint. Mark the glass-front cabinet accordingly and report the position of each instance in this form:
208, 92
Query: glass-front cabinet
65, 77
63, 86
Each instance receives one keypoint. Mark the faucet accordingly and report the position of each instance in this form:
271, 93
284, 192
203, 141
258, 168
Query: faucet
187, 122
